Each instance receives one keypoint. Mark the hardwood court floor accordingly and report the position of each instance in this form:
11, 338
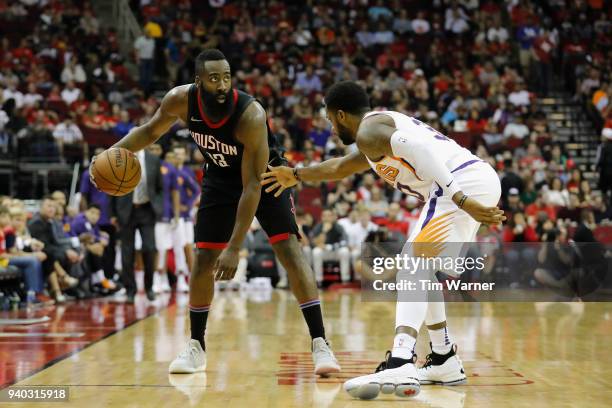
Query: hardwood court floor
515, 354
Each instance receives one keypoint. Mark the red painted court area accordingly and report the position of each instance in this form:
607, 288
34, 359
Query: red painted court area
27, 349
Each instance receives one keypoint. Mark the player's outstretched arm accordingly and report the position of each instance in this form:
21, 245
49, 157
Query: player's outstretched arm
280, 178
252, 132
173, 103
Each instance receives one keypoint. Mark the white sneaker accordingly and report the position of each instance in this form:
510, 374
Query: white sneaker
283, 283
156, 282
444, 369
403, 381
164, 283
323, 357
190, 360
181, 284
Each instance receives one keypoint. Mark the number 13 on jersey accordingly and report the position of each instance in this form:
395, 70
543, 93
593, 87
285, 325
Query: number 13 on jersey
218, 159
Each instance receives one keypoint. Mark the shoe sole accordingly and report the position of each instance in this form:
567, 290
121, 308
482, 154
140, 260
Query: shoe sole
460, 381
371, 390
326, 370
182, 370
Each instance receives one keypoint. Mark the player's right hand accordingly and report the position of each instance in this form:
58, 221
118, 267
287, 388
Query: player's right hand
482, 214
280, 178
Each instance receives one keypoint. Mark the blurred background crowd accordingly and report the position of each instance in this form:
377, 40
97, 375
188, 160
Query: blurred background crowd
503, 78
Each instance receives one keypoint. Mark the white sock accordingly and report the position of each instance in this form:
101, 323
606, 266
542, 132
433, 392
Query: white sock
403, 346
441, 342
101, 275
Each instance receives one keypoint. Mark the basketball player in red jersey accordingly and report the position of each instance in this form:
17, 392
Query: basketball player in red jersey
230, 129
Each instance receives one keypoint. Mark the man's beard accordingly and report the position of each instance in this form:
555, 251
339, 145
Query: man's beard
345, 135
215, 108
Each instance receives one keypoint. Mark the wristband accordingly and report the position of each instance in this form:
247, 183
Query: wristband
295, 174
460, 204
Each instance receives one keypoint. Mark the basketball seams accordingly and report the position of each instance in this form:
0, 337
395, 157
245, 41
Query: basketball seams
134, 175
99, 174
124, 168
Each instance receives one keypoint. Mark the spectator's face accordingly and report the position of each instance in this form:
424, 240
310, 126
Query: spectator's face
519, 219
393, 211
180, 155
19, 221
48, 209
59, 198
513, 200
215, 82
92, 215
171, 158
328, 217
574, 200
556, 184
364, 217
5, 219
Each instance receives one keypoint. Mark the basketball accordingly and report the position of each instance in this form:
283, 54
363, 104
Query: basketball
116, 171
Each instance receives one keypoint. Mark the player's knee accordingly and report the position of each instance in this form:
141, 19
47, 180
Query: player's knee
205, 262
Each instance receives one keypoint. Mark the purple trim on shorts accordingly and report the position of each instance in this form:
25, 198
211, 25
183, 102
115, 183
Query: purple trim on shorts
467, 163
432, 206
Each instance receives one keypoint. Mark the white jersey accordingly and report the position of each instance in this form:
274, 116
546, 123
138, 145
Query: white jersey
422, 156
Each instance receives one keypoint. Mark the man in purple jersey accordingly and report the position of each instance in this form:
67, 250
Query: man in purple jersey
169, 222
189, 191
85, 226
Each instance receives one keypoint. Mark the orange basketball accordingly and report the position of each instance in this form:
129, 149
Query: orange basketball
116, 171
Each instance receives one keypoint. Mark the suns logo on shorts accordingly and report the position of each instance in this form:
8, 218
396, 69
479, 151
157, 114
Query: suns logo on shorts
389, 173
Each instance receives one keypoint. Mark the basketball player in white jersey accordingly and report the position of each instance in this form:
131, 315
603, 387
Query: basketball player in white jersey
460, 192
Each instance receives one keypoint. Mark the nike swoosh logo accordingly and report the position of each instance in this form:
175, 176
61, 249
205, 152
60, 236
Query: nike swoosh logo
195, 120
450, 183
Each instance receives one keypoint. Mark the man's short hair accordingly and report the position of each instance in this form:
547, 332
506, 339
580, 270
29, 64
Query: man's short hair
348, 97
93, 205
210, 54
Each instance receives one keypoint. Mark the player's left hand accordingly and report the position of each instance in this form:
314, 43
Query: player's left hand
280, 178
483, 214
226, 265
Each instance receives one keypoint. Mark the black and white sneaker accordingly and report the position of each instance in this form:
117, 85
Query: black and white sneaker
442, 369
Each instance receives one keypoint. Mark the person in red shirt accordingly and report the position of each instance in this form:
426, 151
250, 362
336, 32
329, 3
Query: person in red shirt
518, 230
539, 206
394, 221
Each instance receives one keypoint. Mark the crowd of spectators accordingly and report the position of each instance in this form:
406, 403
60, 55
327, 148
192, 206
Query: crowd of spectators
474, 69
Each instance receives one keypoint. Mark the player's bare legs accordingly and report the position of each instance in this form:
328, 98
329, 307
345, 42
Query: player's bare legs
201, 292
300, 275
303, 285
189, 257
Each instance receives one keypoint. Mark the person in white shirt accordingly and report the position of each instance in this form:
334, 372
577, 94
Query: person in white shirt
516, 128
497, 33
461, 192
357, 228
32, 97
69, 139
145, 51
71, 93
73, 71
11, 92
420, 25
520, 97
